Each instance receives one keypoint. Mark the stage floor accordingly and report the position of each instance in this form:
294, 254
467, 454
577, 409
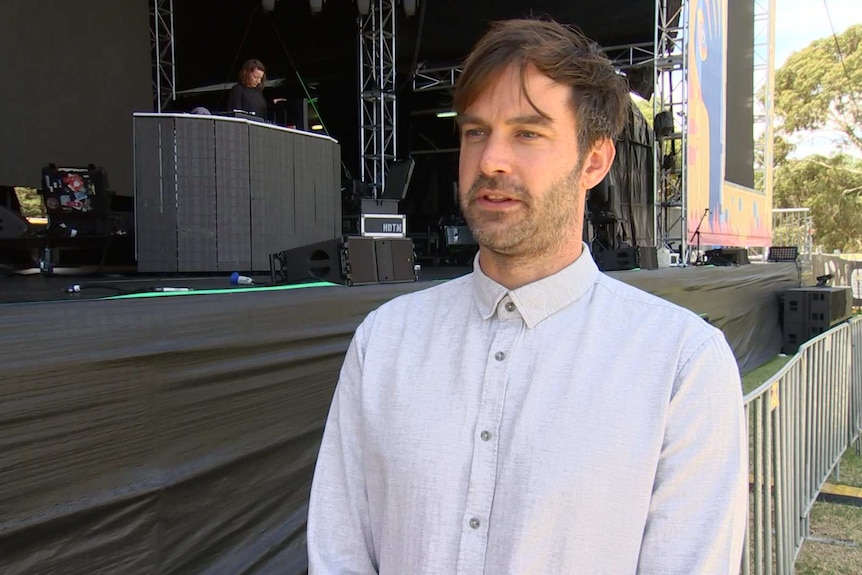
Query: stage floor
743, 301
30, 286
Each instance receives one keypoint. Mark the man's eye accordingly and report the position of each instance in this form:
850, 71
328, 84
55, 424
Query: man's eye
474, 132
527, 135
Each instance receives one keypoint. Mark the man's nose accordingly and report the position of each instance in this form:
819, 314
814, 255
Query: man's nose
497, 156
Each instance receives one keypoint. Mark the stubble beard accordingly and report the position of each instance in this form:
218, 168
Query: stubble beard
539, 225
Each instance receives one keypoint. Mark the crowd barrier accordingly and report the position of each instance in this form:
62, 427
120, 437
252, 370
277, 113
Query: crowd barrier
800, 422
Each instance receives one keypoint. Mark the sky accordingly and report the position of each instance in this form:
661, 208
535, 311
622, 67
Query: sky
797, 24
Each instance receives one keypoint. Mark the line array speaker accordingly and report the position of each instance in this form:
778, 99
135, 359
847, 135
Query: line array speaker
348, 260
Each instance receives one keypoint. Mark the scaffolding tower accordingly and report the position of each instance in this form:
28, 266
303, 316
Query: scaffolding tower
162, 46
764, 80
377, 92
670, 99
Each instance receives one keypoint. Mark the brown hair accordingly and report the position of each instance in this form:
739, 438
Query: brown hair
600, 100
247, 69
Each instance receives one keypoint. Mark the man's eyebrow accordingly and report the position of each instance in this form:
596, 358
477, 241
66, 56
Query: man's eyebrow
467, 119
530, 120
526, 119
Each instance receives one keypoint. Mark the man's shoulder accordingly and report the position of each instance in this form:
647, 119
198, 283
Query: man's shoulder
661, 326
635, 304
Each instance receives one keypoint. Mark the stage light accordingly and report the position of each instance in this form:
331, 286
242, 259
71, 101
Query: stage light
316, 6
317, 127
410, 7
447, 114
364, 6
268, 5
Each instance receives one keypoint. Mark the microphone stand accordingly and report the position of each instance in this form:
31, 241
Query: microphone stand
699, 259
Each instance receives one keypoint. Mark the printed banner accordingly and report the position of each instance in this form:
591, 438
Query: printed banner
727, 214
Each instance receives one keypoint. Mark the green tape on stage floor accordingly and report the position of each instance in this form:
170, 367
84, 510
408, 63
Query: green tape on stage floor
190, 291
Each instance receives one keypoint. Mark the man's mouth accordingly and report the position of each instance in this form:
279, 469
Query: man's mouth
496, 198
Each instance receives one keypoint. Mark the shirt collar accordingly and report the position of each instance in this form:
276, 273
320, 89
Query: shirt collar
538, 300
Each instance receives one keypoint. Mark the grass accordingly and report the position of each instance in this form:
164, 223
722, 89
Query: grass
851, 471
836, 529
842, 526
759, 375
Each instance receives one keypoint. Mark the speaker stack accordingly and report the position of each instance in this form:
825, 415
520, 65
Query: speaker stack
810, 311
348, 260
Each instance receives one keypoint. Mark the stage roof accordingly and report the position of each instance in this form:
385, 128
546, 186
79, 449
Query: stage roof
211, 43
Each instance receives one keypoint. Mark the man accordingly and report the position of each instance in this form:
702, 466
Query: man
535, 416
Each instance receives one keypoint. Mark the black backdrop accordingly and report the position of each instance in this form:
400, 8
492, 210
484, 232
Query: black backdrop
178, 434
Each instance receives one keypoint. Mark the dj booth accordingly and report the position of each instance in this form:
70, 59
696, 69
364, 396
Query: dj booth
220, 194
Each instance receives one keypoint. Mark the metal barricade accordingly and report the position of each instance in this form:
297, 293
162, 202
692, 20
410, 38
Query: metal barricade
800, 422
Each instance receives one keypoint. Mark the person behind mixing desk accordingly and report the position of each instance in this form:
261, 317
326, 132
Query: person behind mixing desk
247, 94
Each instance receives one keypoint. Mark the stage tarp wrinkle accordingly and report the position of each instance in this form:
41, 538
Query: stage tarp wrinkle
179, 435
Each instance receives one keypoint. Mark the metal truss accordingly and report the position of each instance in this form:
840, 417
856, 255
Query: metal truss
162, 46
764, 64
377, 92
628, 56
441, 78
670, 147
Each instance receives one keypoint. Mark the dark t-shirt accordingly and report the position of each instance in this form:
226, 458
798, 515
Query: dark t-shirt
247, 99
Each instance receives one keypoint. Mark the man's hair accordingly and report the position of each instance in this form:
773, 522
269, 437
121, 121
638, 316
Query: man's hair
247, 69
600, 99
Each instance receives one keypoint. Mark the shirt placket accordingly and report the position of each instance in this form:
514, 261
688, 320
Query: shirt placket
483, 471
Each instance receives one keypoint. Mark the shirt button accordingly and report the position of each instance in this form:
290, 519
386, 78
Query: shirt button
499, 356
485, 435
474, 523
510, 306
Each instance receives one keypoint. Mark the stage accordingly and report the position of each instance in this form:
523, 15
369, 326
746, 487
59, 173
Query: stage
177, 433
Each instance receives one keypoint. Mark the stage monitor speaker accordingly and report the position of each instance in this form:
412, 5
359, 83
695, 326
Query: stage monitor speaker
624, 258
647, 257
347, 260
321, 261
727, 257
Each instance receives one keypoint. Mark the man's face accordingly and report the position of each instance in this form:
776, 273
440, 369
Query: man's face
255, 78
519, 175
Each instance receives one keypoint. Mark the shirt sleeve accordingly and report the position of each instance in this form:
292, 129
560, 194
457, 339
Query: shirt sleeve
234, 99
339, 532
699, 506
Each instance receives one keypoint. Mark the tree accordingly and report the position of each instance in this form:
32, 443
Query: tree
831, 187
820, 88
645, 107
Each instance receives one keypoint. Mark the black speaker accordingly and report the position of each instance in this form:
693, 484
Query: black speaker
647, 257
349, 260
321, 261
663, 124
810, 311
727, 257
394, 260
624, 258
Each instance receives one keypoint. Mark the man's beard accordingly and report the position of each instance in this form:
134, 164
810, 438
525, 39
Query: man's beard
540, 224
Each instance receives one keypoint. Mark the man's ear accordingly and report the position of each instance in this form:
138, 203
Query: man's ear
598, 163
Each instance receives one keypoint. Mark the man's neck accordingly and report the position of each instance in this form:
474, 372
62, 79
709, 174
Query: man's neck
513, 272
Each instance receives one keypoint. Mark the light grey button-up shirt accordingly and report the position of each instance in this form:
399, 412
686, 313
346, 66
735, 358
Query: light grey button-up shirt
573, 425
